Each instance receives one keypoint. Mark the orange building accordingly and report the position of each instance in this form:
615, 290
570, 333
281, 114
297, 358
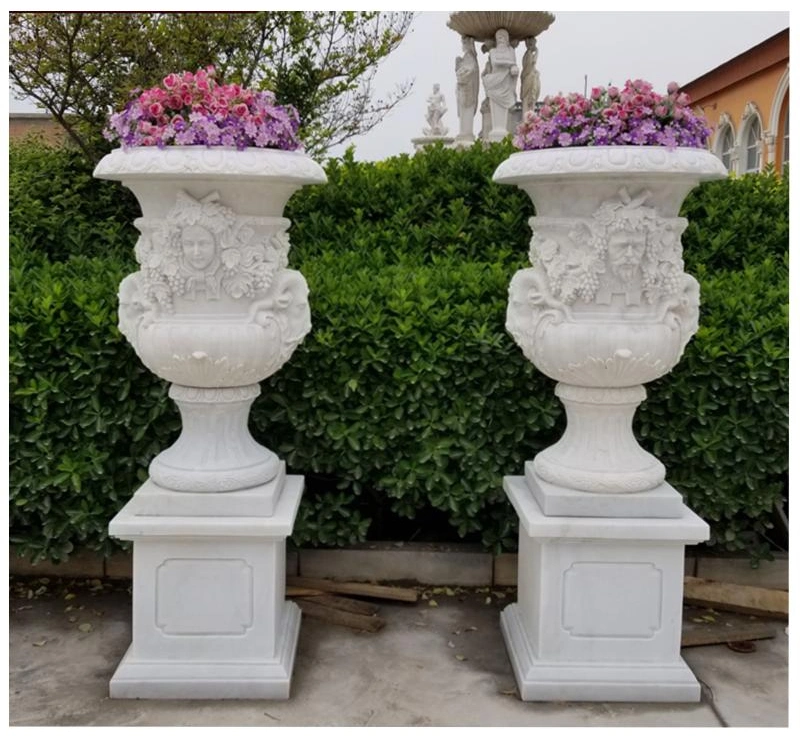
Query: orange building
746, 101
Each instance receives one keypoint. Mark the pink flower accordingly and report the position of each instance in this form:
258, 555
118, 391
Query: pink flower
635, 115
158, 116
672, 88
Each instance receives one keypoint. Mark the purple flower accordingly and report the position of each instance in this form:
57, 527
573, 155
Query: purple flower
635, 115
204, 113
565, 139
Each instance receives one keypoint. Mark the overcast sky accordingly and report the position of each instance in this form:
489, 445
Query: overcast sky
609, 47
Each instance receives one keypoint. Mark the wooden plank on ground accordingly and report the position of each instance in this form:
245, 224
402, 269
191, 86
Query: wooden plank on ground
698, 637
739, 598
346, 604
311, 608
366, 590
293, 592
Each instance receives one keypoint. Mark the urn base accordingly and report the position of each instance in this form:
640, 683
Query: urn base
215, 452
540, 680
661, 502
268, 679
153, 500
598, 452
210, 616
599, 605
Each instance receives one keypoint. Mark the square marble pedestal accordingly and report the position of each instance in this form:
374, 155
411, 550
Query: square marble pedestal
210, 619
599, 605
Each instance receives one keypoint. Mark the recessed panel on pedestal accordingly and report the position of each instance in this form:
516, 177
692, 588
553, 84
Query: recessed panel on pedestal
633, 612
204, 597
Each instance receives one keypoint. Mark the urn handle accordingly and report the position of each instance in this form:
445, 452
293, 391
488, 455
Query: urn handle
285, 308
135, 309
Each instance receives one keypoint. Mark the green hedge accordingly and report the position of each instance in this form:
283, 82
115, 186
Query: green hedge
86, 417
408, 399
56, 206
736, 222
441, 203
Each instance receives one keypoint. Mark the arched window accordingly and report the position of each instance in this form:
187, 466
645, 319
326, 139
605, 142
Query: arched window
785, 161
726, 146
752, 146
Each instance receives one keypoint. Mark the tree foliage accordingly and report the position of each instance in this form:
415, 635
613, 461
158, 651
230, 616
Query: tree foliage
78, 66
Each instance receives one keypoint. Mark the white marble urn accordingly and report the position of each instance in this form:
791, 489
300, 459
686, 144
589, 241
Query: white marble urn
606, 305
213, 309
605, 308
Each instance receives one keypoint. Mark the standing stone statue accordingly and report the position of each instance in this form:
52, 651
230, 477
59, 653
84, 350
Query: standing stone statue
500, 83
531, 83
467, 83
436, 110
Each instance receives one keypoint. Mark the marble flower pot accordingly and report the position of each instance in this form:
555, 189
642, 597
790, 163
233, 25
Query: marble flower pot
605, 308
213, 309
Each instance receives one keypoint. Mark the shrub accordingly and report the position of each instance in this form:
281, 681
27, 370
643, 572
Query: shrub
86, 417
720, 420
442, 202
57, 208
736, 222
408, 399
410, 393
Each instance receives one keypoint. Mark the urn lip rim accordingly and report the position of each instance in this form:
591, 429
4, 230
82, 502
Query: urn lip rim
203, 162
601, 161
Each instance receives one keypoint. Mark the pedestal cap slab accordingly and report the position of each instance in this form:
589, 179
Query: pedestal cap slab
689, 528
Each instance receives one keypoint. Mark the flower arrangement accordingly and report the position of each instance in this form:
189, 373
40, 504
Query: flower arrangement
193, 109
632, 116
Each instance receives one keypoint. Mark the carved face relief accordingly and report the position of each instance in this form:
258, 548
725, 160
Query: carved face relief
625, 252
624, 248
203, 249
198, 247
